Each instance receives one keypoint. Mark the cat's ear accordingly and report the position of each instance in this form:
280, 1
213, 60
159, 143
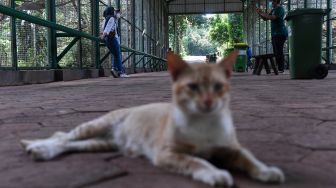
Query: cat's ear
228, 62
176, 65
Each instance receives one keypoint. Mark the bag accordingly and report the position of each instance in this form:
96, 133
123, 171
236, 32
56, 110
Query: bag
111, 33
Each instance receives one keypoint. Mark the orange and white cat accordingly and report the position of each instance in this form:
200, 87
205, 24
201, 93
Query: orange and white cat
178, 136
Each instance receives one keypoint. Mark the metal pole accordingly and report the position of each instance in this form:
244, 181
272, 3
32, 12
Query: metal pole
143, 28
52, 42
95, 30
150, 26
119, 21
167, 27
133, 33
329, 33
13, 38
288, 9
266, 29
80, 45
160, 30
174, 32
154, 27
246, 18
259, 20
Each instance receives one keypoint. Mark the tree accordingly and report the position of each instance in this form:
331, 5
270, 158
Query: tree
227, 28
219, 30
198, 21
235, 28
178, 26
196, 41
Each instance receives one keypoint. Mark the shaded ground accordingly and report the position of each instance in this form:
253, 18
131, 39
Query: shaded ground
288, 123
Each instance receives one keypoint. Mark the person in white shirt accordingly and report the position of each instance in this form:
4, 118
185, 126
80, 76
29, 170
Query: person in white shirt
111, 38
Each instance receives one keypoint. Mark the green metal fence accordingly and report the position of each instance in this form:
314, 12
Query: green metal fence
64, 34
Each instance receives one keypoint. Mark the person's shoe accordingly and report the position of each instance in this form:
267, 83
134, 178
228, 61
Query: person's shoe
123, 75
114, 73
280, 72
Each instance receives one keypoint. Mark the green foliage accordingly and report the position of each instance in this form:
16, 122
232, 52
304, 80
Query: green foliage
198, 21
197, 42
191, 35
235, 28
5, 45
219, 30
176, 33
226, 30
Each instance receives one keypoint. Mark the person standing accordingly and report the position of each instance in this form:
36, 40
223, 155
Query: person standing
278, 31
111, 38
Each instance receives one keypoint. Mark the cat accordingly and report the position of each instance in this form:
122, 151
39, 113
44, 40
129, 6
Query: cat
177, 136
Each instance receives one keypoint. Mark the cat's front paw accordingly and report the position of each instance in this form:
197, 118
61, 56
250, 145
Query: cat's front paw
270, 175
214, 177
41, 150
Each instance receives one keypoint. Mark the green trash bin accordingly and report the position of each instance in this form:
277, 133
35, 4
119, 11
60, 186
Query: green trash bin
241, 62
305, 43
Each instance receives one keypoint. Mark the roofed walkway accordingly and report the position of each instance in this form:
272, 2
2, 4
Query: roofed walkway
288, 123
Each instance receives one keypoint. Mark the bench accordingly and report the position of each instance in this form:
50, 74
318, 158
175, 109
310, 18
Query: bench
263, 61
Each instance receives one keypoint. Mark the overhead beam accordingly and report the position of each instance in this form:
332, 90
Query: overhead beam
178, 7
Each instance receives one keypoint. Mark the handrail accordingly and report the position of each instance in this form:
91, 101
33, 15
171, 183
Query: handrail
24, 16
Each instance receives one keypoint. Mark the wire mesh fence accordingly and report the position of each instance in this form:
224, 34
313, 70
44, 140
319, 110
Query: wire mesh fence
33, 42
5, 38
67, 13
70, 60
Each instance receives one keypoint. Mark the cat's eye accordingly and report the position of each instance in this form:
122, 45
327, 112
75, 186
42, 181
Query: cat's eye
218, 86
193, 87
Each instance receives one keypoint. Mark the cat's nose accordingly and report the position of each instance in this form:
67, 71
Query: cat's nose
208, 103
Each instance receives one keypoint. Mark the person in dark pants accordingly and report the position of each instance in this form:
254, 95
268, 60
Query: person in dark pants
112, 41
278, 30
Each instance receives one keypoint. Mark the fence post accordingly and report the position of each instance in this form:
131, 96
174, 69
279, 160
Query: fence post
50, 7
133, 35
329, 34
80, 45
95, 30
13, 38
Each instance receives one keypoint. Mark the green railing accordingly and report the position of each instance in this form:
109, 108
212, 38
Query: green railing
56, 30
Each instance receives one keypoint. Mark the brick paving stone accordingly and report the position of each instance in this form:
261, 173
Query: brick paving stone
68, 171
288, 123
321, 137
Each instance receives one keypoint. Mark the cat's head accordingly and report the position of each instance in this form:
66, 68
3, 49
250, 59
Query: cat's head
201, 88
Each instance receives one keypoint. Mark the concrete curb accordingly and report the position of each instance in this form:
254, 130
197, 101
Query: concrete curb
12, 78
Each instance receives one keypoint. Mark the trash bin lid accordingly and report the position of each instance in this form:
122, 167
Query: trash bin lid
304, 11
240, 45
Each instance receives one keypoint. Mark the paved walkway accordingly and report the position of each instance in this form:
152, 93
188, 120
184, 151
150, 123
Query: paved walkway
288, 123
